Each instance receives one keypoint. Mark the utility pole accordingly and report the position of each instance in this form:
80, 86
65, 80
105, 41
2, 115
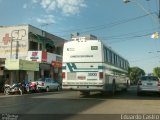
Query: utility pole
159, 12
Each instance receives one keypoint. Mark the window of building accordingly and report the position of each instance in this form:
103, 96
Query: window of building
50, 48
33, 45
59, 50
40, 46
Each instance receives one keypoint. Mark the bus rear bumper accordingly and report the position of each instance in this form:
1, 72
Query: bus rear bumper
83, 87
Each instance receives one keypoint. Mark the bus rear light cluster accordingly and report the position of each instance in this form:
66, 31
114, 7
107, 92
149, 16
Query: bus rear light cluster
100, 75
158, 83
63, 75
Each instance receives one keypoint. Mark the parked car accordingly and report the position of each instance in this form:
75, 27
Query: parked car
47, 84
148, 84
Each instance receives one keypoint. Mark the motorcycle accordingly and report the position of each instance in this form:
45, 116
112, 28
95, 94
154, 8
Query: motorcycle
25, 88
13, 89
33, 87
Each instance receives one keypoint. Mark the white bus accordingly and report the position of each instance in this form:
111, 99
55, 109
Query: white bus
89, 65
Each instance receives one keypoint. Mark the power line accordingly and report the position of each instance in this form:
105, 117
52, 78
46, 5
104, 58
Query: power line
110, 25
147, 58
126, 20
119, 22
128, 34
128, 38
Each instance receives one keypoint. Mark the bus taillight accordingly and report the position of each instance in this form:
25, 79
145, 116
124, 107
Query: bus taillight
63, 75
100, 75
158, 83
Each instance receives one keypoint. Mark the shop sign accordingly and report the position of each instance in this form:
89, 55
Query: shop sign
12, 64
53, 57
44, 56
56, 64
34, 56
16, 64
28, 65
9, 38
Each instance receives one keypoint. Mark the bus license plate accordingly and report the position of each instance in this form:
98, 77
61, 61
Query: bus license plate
81, 77
149, 83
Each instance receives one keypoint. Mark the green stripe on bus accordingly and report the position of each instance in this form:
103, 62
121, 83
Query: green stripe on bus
63, 67
73, 68
100, 67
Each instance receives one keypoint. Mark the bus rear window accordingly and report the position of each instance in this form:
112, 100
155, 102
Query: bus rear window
153, 78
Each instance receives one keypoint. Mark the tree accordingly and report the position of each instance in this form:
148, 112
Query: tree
156, 71
134, 73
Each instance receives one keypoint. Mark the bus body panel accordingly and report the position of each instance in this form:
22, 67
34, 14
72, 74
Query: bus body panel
85, 69
83, 76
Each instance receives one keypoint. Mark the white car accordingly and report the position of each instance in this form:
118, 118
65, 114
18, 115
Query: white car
47, 84
148, 84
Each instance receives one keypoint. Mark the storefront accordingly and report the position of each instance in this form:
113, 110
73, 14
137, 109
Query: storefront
49, 63
20, 70
2, 75
45, 69
57, 67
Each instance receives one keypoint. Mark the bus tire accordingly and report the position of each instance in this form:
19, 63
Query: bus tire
139, 93
104, 93
125, 89
113, 88
58, 88
86, 93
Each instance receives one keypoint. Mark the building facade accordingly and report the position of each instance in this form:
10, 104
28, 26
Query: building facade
29, 53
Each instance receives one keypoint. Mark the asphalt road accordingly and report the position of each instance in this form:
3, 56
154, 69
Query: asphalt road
69, 104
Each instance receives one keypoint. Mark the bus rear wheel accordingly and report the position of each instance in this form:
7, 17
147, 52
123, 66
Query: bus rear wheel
113, 89
85, 93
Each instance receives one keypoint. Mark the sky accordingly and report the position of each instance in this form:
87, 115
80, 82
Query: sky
125, 27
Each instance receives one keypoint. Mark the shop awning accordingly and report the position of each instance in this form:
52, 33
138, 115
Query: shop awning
18, 64
41, 38
57, 64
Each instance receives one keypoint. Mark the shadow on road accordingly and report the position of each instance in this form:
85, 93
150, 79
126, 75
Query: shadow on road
130, 94
66, 105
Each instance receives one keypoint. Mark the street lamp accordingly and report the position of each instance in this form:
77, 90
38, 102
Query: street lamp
141, 6
155, 35
126, 1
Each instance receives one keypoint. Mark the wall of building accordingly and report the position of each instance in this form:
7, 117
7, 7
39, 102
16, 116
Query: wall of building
58, 41
14, 41
15, 44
